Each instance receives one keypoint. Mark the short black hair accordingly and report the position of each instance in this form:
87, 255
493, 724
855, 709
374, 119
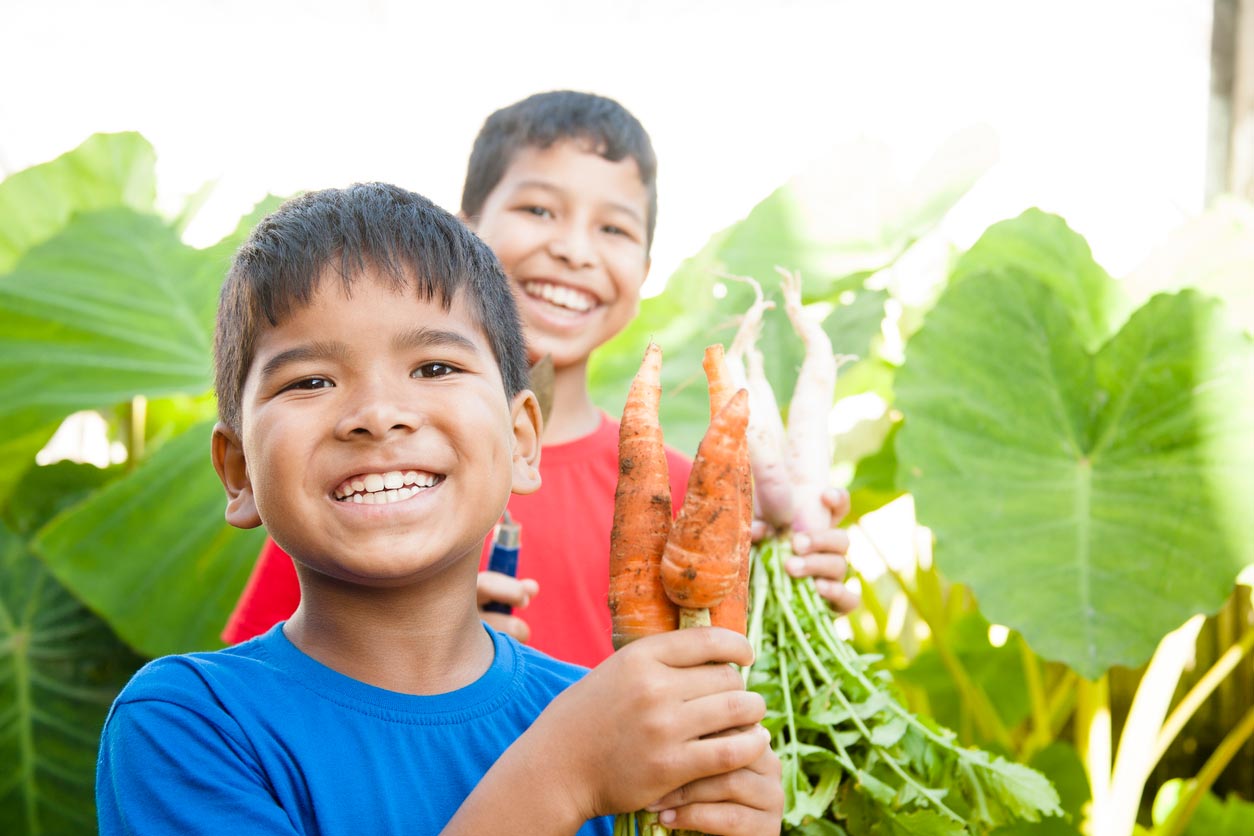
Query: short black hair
538, 121
404, 236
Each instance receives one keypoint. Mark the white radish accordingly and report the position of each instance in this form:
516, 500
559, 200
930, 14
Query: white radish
809, 443
772, 491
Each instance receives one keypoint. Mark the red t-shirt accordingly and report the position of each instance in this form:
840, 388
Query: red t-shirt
565, 547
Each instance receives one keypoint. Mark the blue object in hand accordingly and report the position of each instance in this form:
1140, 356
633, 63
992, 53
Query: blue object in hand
504, 557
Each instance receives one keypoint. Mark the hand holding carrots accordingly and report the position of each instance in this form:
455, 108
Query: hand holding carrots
654, 719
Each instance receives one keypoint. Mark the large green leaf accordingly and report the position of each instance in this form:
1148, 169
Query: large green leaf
60, 668
1040, 246
1093, 502
152, 552
106, 170
111, 307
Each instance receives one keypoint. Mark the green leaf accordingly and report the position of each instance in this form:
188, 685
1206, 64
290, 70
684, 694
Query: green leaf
106, 170
1092, 502
112, 307
1040, 246
46, 491
1062, 766
60, 668
152, 553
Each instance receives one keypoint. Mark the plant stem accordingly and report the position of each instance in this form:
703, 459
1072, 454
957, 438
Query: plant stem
1042, 732
693, 617
1133, 761
1092, 727
1201, 689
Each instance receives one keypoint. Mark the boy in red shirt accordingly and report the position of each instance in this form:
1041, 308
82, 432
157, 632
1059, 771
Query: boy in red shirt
562, 186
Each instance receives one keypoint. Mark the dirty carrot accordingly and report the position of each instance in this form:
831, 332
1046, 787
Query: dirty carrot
699, 564
733, 611
639, 605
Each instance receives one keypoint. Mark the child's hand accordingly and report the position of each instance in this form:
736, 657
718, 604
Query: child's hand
647, 721
746, 802
821, 554
516, 592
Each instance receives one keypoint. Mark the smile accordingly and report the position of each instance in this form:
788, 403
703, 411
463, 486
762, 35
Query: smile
561, 296
382, 488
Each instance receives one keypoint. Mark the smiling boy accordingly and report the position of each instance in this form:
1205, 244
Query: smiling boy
375, 417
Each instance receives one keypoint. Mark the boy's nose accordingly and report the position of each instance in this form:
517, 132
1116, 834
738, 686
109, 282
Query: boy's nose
375, 415
571, 244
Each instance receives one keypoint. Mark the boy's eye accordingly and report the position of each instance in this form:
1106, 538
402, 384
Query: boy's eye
434, 370
309, 383
613, 230
538, 211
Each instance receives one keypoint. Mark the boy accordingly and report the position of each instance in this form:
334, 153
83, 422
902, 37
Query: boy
562, 186
371, 380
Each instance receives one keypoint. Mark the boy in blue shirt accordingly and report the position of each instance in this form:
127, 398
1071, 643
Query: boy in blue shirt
371, 379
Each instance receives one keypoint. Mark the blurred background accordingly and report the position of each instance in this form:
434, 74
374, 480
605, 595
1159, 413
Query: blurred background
921, 163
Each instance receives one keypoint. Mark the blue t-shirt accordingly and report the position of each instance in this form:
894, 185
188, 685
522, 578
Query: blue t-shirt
260, 738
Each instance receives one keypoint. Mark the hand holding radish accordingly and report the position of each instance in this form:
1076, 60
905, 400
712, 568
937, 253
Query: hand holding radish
495, 587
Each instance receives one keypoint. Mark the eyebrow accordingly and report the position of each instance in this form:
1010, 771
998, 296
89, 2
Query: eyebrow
422, 337
625, 208
322, 350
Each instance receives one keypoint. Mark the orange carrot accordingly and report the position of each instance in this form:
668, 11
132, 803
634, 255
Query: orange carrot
733, 611
700, 564
642, 513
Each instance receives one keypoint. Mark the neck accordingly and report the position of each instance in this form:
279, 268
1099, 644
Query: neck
407, 639
573, 415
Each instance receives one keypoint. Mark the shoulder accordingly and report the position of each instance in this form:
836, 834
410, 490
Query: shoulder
538, 671
203, 683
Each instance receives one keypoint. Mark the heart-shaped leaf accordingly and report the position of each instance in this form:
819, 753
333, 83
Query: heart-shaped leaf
1092, 502
152, 552
106, 170
60, 668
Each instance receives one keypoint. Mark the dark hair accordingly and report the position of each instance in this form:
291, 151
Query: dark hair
405, 237
542, 119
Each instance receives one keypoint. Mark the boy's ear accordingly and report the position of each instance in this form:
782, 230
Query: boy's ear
228, 460
528, 427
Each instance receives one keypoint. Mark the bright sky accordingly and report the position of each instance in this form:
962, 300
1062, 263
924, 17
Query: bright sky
1099, 105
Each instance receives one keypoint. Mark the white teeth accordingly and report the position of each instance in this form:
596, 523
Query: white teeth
562, 297
381, 488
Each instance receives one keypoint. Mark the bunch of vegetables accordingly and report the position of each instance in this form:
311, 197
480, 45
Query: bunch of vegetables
855, 760
694, 571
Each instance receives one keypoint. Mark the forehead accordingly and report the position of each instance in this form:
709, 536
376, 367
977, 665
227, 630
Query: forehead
573, 168
375, 310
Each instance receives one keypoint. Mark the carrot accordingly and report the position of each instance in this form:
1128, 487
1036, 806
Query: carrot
772, 487
700, 563
733, 611
639, 605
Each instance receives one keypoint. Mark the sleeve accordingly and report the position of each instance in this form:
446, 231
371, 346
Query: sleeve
166, 769
270, 596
